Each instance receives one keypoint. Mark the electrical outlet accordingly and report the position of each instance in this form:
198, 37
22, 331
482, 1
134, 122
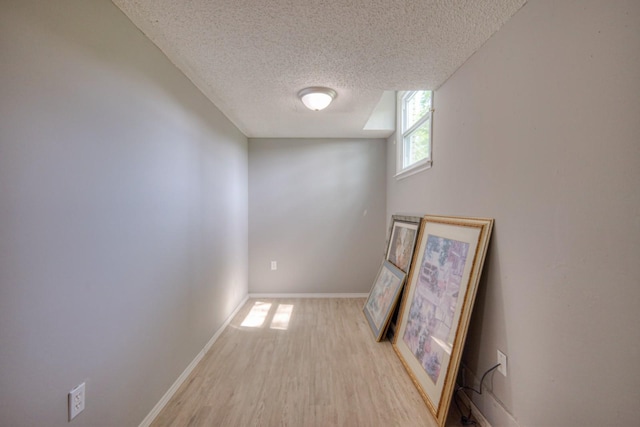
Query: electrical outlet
502, 360
274, 265
76, 401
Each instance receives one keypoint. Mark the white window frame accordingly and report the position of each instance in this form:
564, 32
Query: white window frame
403, 171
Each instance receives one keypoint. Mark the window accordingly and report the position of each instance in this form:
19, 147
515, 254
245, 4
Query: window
413, 132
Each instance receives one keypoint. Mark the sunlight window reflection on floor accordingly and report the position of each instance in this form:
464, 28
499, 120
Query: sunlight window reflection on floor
257, 315
282, 317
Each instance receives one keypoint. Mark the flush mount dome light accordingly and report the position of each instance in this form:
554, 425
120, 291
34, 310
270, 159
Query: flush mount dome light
317, 98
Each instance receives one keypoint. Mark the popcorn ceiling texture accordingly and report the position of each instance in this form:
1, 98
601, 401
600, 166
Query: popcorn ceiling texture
252, 57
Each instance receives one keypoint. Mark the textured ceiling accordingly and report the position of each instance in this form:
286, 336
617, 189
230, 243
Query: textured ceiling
251, 57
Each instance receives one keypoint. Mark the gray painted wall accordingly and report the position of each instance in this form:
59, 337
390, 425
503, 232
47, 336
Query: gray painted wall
317, 207
123, 216
540, 130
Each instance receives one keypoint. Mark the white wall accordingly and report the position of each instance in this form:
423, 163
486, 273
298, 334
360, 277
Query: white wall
540, 130
123, 216
317, 207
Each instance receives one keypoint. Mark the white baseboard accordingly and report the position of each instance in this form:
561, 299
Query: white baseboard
302, 295
181, 379
475, 412
486, 406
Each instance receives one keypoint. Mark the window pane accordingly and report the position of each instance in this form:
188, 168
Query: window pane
417, 145
416, 106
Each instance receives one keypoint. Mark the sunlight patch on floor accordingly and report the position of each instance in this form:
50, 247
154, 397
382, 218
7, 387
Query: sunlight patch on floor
261, 312
257, 315
281, 318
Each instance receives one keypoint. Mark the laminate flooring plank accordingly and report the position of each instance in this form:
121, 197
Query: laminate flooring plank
322, 367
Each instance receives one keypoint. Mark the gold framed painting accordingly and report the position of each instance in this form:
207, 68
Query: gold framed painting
437, 304
383, 298
402, 240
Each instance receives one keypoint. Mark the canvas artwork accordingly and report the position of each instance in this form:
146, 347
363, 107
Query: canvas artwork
383, 298
431, 315
401, 244
437, 303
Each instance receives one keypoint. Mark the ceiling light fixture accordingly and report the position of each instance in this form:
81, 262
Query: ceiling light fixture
317, 98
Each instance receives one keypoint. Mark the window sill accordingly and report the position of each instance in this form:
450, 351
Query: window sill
413, 170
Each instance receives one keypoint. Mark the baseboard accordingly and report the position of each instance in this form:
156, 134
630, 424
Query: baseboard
486, 405
475, 412
181, 379
302, 295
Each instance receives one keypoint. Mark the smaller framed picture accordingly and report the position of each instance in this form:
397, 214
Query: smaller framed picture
402, 241
383, 298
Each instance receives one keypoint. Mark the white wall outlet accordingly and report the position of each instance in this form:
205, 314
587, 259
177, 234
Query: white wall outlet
274, 265
502, 360
76, 401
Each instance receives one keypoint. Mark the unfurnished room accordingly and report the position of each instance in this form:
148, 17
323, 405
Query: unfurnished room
319, 213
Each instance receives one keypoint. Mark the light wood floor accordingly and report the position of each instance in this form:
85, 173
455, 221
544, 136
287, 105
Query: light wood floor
324, 369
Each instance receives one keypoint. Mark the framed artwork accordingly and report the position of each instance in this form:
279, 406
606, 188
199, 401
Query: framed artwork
400, 247
383, 298
402, 240
437, 304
